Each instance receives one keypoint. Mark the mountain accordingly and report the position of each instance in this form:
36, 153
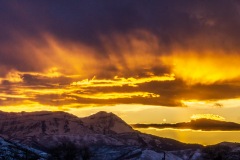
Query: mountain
100, 128
106, 123
198, 124
100, 136
24, 124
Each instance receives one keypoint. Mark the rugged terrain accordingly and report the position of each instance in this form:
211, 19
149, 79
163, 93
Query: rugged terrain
60, 135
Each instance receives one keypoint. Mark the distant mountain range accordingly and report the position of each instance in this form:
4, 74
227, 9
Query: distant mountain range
102, 136
198, 124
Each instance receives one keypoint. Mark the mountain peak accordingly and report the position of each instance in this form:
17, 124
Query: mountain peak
103, 113
106, 123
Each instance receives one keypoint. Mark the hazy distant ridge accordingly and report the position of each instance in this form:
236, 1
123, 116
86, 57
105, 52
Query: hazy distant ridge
199, 124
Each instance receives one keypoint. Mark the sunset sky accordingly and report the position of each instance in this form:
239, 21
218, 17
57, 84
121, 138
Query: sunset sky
147, 61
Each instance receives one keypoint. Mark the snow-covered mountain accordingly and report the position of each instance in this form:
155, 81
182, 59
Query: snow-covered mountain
106, 123
39, 128
99, 136
40, 123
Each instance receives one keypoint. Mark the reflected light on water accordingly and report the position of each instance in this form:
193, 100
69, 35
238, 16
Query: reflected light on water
195, 136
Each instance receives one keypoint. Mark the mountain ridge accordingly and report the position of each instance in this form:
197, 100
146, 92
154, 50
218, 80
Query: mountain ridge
59, 124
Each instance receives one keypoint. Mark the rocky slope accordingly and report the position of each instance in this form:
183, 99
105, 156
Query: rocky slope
11, 151
99, 136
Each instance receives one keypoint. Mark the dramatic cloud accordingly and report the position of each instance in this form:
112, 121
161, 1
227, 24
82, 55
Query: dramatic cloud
82, 53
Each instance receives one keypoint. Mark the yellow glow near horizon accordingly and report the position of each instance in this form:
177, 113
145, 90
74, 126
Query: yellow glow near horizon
28, 106
195, 136
226, 103
207, 116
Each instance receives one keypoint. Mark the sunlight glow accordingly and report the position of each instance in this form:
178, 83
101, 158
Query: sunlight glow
116, 95
120, 81
195, 136
227, 103
205, 68
207, 116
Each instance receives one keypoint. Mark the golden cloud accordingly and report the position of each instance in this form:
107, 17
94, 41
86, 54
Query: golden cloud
13, 77
207, 116
120, 81
131, 56
133, 68
205, 68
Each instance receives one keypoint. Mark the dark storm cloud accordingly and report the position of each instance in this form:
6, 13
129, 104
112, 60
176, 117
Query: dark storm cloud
173, 92
188, 24
172, 21
31, 80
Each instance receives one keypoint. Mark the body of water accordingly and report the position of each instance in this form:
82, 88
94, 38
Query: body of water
195, 136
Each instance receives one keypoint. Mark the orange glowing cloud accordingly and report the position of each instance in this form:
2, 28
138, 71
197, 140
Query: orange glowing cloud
129, 69
12, 76
117, 81
55, 57
206, 67
128, 56
134, 55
